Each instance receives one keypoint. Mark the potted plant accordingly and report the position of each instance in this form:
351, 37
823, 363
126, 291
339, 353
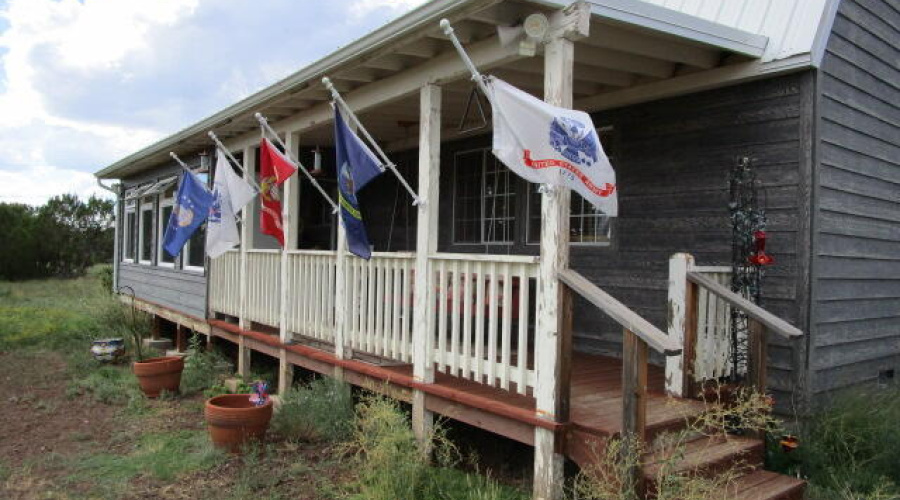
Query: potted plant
235, 419
154, 374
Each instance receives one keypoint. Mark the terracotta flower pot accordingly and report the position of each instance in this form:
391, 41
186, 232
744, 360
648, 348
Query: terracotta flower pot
158, 374
233, 420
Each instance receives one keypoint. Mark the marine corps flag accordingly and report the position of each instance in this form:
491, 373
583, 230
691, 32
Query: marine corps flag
551, 145
357, 166
274, 169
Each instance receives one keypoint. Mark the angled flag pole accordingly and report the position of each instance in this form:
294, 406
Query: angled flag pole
477, 77
338, 100
178, 160
264, 123
221, 147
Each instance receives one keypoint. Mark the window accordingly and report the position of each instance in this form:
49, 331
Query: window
484, 199
587, 225
129, 231
194, 252
166, 202
145, 245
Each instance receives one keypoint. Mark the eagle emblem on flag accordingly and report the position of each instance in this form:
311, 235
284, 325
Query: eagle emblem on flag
572, 139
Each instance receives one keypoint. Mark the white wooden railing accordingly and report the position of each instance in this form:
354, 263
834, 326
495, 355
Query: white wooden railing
263, 286
379, 305
311, 279
484, 308
713, 349
225, 283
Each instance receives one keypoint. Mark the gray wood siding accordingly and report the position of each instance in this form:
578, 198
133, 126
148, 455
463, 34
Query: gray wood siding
177, 289
673, 164
856, 294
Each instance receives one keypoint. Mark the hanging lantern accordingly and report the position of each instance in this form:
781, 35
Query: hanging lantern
759, 256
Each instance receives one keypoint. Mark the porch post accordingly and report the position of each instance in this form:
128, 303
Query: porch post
340, 298
248, 227
426, 245
679, 265
289, 211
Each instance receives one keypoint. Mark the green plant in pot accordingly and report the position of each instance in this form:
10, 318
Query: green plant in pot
155, 374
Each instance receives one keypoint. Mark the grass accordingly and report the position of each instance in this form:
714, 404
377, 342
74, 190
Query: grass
851, 449
319, 411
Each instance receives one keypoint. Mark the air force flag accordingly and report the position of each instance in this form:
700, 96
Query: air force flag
550, 145
192, 204
356, 166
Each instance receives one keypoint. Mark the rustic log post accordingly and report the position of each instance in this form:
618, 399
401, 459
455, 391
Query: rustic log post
155, 327
180, 338
634, 398
757, 371
426, 246
679, 265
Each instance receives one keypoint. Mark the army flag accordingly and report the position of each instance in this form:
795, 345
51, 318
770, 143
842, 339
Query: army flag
231, 193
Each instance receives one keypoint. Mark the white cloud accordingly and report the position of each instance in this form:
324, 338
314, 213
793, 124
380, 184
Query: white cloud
85, 82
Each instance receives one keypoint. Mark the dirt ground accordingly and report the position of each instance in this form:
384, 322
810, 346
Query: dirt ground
44, 434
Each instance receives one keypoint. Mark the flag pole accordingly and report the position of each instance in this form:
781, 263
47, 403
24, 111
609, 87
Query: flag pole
336, 96
264, 124
221, 147
183, 164
476, 75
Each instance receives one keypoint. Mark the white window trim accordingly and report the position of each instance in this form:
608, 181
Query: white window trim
127, 241
160, 231
145, 206
185, 257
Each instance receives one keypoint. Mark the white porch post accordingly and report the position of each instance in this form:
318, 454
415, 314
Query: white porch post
248, 228
426, 245
289, 212
679, 265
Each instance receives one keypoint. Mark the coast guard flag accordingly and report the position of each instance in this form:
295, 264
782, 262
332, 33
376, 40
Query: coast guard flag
231, 193
550, 145
192, 204
274, 169
356, 167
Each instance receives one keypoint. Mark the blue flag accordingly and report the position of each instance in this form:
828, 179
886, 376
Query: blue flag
356, 166
192, 204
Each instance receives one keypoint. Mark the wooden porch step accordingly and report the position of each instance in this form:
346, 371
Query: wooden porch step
766, 485
706, 455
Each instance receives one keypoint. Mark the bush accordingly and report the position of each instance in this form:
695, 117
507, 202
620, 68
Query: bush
320, 411
852, 448
203, 369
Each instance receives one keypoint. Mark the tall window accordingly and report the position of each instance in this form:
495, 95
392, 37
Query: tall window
587, 225
484, 199
194, 252
145, 246
129, 231
166, 202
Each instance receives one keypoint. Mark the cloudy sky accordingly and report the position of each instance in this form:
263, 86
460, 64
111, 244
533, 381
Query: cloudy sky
86, 82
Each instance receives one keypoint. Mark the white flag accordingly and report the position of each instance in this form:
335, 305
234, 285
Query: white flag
232, 193
550, 145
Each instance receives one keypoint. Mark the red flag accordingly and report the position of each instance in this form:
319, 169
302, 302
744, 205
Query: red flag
274, 169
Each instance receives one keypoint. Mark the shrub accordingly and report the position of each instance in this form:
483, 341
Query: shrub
852, 448
322, 410
203, 369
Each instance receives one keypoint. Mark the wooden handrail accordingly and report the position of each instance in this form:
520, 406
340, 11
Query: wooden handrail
769, 320
618, 311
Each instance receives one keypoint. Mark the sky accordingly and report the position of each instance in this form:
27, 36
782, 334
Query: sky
84, 83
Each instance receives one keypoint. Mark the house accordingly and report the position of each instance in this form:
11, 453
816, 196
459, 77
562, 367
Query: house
480, 304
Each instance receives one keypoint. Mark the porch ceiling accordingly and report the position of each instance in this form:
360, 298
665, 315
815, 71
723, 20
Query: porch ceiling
632, 45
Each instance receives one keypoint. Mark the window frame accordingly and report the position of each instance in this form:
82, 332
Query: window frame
161, 224
607, 131
145, 206
128, 242
482, 199
186, 250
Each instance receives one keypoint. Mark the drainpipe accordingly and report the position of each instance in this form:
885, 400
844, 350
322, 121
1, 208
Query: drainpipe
117, 207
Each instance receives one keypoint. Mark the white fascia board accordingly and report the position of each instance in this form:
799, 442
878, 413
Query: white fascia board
684, 26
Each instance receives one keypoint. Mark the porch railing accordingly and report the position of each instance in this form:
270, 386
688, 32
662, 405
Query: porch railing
311, 279
263, 286
485, 309
712, 358
225, 283
379, 305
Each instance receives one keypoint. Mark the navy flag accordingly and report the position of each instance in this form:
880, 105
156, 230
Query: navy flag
192, 205
356, 166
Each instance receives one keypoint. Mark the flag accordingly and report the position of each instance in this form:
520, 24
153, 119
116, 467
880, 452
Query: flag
274, 169
356, 167
192, 204
231, 193
551, 145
